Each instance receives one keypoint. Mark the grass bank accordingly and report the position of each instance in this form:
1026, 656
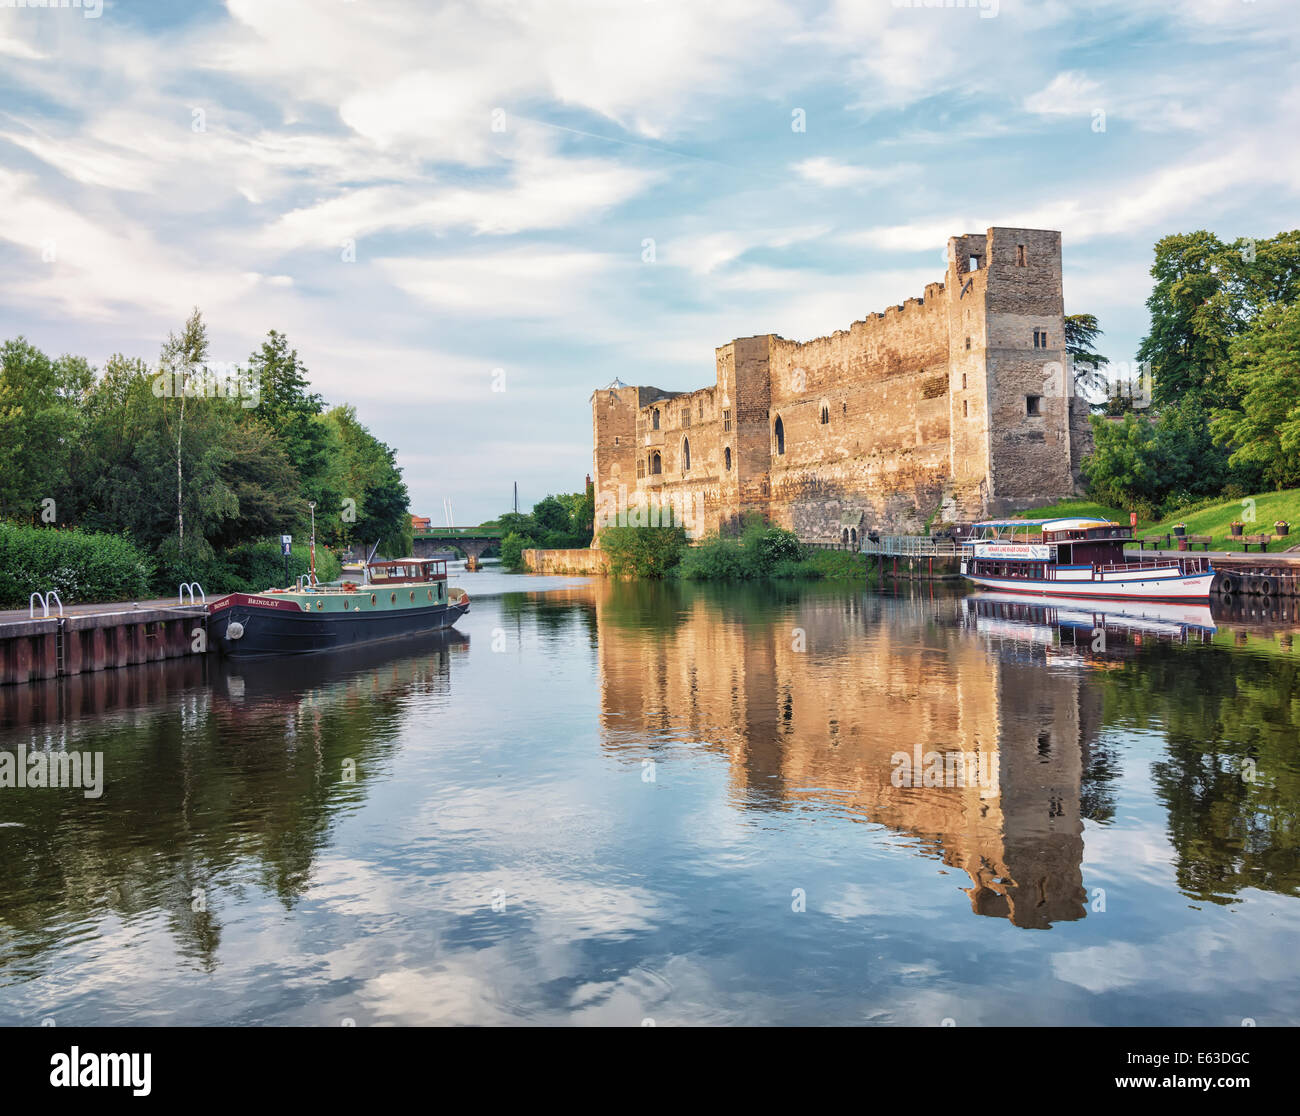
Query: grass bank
1258, 513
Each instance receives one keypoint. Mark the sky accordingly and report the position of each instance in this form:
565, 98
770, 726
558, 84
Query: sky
467, 216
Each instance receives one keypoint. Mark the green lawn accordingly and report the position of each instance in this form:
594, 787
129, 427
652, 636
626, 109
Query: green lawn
1268, 507
1068, 508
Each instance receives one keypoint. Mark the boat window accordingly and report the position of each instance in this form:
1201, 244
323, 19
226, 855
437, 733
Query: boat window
373, 599
393, 599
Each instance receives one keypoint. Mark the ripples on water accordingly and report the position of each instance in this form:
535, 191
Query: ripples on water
602, 804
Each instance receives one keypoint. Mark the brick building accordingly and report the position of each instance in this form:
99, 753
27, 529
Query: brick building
956, 403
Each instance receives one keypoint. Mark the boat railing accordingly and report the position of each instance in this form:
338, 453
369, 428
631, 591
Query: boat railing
1184, 565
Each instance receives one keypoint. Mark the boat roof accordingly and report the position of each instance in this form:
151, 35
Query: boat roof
407, 561
1074, 523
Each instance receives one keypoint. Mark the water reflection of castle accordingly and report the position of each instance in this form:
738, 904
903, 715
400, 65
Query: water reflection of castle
871, 682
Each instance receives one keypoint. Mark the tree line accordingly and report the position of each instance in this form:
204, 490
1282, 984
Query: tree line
562, 522
191, 461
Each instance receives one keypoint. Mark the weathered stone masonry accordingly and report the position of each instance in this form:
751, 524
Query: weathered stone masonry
957, 402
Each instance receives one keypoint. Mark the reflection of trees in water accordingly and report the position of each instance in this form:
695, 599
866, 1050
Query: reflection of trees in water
1101, 769
1219, 710
1222, 712
212, 790
553, 614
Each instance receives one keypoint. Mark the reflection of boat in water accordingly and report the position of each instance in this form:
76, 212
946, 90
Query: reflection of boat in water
401, 598
1165, 619
288, 679
1082, 558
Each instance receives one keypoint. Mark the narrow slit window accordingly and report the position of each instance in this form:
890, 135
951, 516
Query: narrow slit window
1020, 255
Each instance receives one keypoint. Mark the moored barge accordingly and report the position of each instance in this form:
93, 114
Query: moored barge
408, 596
1078, 557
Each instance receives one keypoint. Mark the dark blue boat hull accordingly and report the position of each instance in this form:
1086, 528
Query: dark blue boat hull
282, 632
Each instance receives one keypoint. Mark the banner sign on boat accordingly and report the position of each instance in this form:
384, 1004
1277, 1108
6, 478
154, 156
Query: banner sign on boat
1013, 550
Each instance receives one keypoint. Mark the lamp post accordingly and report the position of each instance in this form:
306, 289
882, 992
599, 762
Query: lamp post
311, 504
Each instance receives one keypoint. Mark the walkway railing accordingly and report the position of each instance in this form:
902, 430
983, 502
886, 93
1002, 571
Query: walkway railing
915, 546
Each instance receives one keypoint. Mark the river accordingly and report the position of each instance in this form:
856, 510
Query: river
617, 804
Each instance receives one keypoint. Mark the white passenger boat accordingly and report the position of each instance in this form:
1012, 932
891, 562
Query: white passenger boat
1079, 557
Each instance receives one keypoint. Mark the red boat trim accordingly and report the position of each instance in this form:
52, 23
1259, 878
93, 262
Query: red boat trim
250, 601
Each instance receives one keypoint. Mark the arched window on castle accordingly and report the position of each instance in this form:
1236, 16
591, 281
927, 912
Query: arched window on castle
656, 464
726, 459
654, 419
778, 432
686, 455
826, 414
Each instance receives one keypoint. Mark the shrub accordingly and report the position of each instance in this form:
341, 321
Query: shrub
714, 559
247, 568
80, 565
647, 552
512, 550
771, 545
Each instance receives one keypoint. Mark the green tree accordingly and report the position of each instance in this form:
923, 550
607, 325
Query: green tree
1207, 292
264, 485
40, 428
1121, 470
290, 410
376, 501
180, 365
1264, 428
1081, 333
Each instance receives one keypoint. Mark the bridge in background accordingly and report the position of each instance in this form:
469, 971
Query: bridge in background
473, 542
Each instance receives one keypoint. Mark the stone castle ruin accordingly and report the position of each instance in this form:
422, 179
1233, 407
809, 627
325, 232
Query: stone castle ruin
950, 407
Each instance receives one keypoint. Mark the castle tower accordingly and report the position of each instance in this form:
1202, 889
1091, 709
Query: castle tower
614, 449
744, 393
1009, 386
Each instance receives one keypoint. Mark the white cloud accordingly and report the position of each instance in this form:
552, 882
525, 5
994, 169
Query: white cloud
823, 171
518, 283
1068, 93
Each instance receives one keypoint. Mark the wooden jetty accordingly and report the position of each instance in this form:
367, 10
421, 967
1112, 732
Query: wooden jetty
35, 646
